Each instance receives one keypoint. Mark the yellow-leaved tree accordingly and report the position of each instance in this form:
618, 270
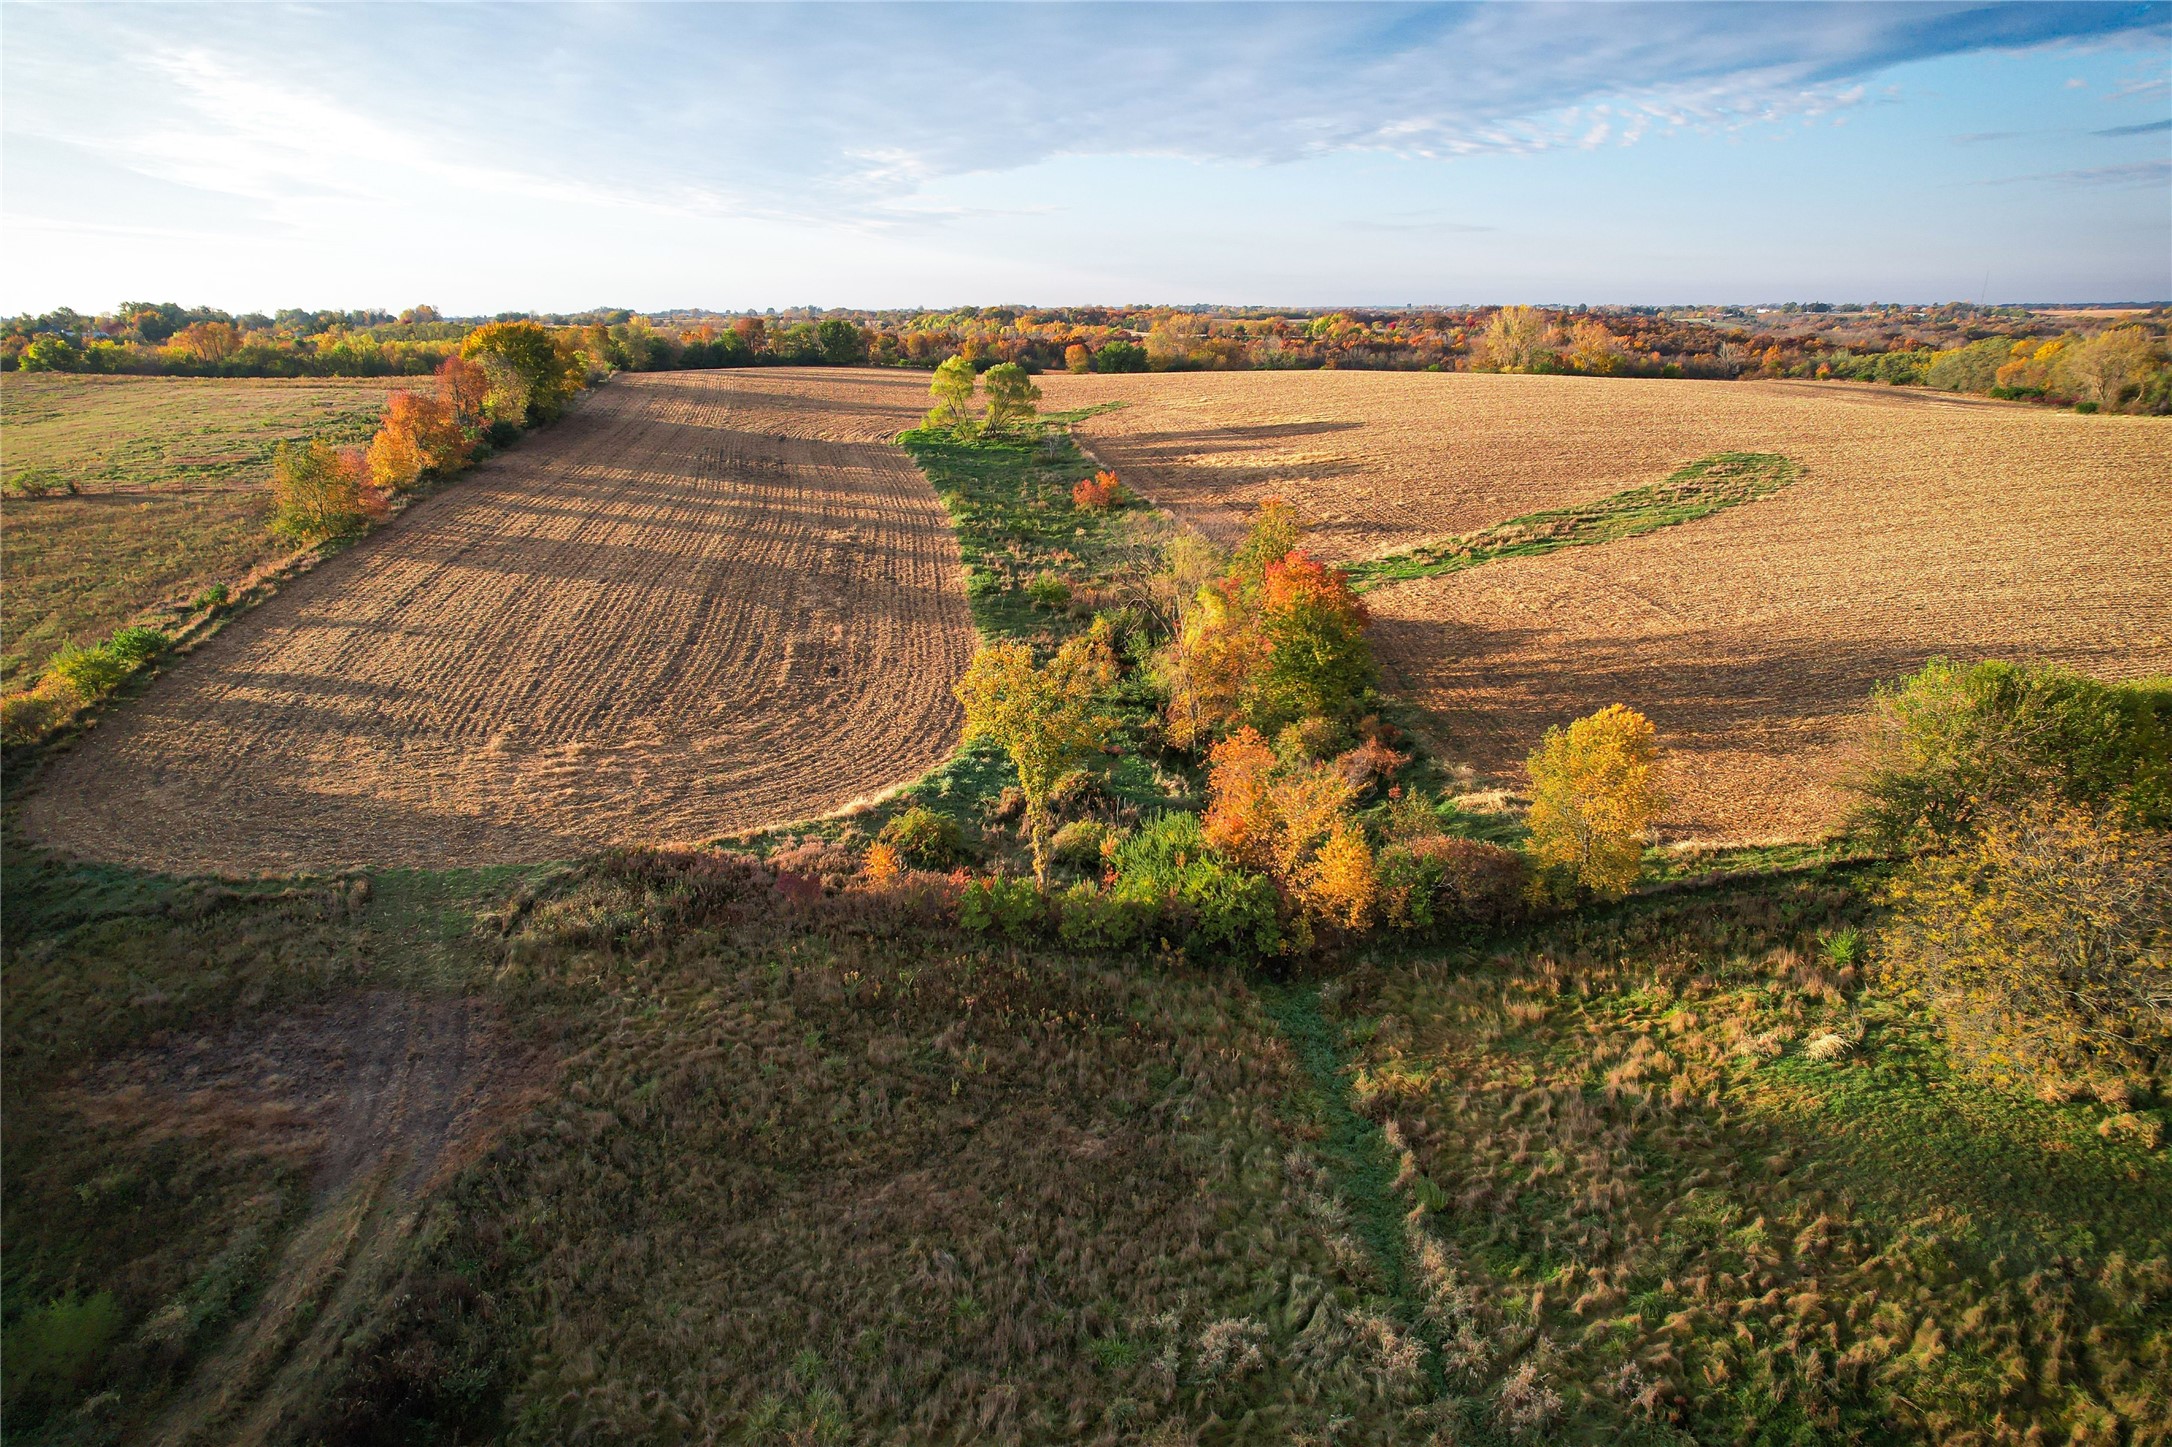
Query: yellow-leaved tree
1047, 717
1594, 792
2042, 943
952, 390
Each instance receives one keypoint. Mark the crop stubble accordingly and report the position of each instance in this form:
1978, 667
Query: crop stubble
1924, 525
704, 602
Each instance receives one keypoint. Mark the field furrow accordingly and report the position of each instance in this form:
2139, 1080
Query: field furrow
704, 602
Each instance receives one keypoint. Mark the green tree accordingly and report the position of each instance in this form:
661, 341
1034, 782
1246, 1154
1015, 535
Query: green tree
843, 344
1120, 357
1047, 718
1011, 398
1955, 740
51, 353
952, 390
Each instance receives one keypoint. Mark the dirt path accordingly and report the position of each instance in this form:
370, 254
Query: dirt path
703, 603
391, 1092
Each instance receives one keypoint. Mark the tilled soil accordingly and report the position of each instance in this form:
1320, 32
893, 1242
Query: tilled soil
702, 603
1924, 524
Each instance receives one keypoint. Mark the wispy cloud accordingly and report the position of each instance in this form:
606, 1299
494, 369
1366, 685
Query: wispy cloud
2138, 173
841, 110
2147, 128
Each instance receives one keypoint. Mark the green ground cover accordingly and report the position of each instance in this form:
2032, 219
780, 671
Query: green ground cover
1703, 487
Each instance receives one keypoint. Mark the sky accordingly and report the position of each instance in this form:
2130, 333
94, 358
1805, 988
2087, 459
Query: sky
487, 158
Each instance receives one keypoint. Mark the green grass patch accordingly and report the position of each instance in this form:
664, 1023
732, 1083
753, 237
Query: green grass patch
1010, 501
1704, 487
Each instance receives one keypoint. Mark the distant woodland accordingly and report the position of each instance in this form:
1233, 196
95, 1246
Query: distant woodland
2111, 359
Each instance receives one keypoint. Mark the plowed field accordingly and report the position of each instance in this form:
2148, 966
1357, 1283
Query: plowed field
1923, 524
703, 602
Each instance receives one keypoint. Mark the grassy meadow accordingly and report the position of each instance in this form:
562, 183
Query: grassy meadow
812, 1167
126, 493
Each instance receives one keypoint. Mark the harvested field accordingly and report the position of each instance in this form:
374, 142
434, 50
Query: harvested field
1924, 524
702, 603
1383, 461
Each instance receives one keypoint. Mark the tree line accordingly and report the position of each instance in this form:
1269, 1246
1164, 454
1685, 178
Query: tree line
2101, 361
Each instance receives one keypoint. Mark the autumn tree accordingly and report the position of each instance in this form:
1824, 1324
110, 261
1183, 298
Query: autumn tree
211, 342
1317, 658
2042, 944
1594, 794
1077, 359
1594, 350
530, 376
1011, 398
2102, 369
464, 387
1517, 339
1291, 818
1277, 637
419, 434
1047, 718
952, 390
320, 492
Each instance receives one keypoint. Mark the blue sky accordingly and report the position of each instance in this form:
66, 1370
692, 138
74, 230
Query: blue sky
488, 158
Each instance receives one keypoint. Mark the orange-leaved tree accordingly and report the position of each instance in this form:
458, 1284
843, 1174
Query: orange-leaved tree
419, 434
463, 387
1291, 819
1048, 718
1595, 790
321, 492
1099, 493
1317, 658
1277, 637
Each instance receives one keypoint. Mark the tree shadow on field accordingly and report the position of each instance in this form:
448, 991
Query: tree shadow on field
1706, 690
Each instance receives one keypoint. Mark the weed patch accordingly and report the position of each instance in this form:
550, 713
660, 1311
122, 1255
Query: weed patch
1703, 487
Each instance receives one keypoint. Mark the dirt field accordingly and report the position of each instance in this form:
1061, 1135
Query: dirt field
1382, 461
704, 602
1924, 525
172, 476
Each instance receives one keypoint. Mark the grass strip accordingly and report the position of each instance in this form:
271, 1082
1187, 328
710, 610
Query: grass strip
1009, 500
1706, 486
1354, 1149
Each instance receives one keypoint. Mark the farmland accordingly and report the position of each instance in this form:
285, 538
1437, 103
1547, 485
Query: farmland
155, 488
1922, 525
533, 1138
700, 604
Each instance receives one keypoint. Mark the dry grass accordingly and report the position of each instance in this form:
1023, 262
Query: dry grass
1678, 1171
1923, 525
810, 1169
171, 474
704, 602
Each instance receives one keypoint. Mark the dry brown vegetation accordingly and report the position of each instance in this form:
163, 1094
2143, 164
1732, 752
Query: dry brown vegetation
1676, 1176
702, 603
1923, 525
155, 487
